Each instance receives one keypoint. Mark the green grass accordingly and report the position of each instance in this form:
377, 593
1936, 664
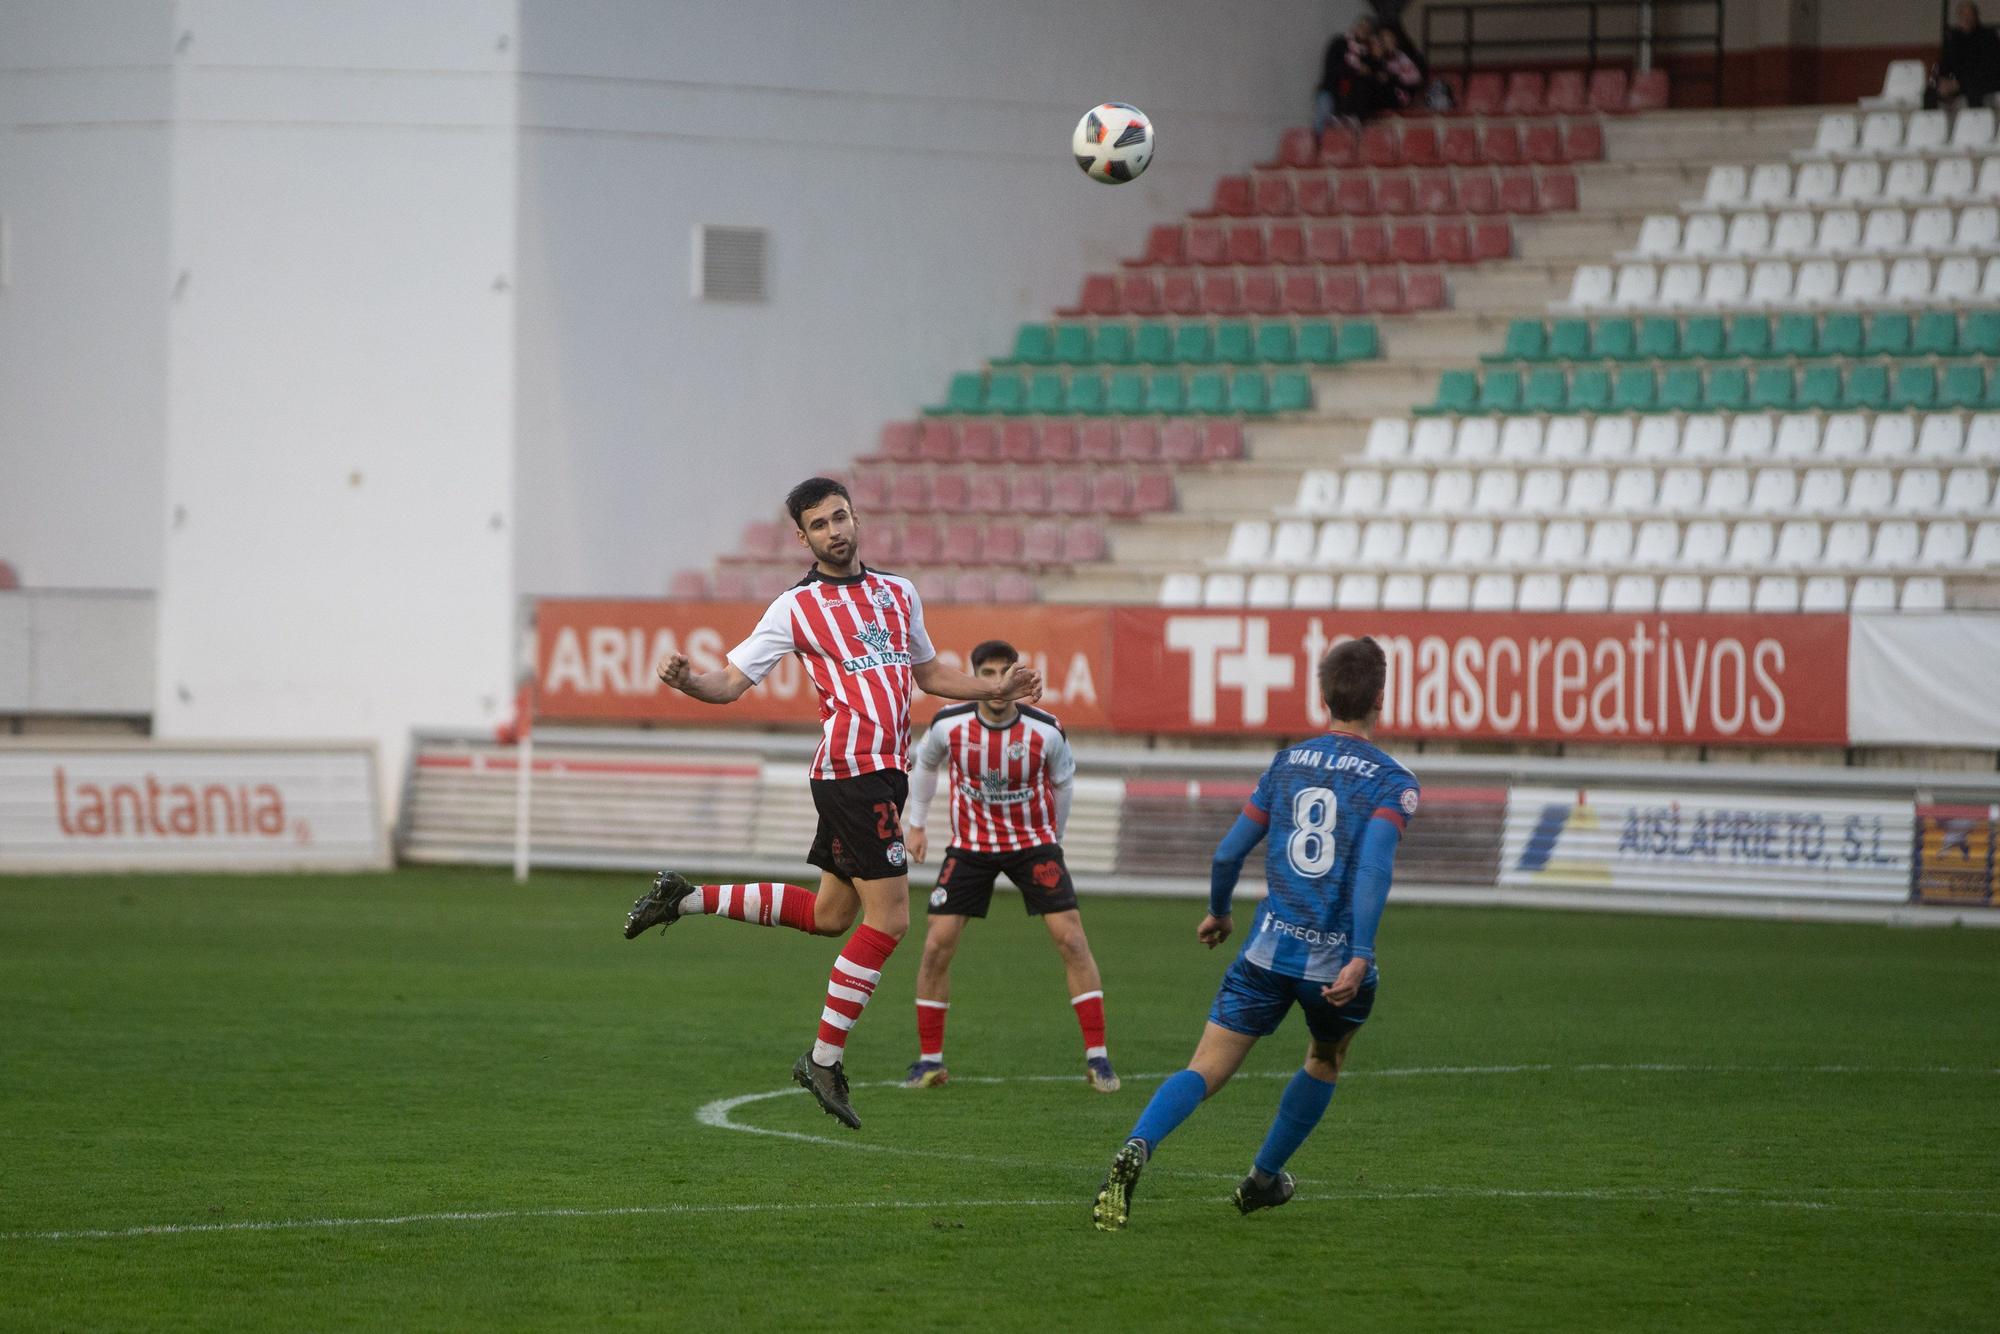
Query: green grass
207, 1052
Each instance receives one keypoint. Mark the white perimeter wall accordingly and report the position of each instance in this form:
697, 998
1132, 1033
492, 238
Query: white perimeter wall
911, 160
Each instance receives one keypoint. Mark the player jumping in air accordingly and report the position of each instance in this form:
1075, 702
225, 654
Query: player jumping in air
860, 634
1334, 807
1011, 779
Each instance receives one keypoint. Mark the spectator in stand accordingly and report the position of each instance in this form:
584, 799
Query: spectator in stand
1401, 71
1347, 75
1969, 67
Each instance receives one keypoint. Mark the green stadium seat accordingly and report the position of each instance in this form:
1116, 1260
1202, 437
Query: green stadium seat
1888, 335
1500, 391
1291, 391
1527, 340
1548, 391
1991, 398
1249, 393
1114, 344
1819, 388
966, 394
1590, 390
1359, 341
1728, 388
1964, 386
1614, 340
1749, 336
1127, 395
1034, 345
1075, 345
1771, 391
1796, 336
1569, 340
1009, 394
1316, 343
1085, 397
1276, 345
1867, 387
1208, 391
1981, 335
1840, 336
1457, 392
1916, 386
1659, 339
1193, 346
1936, 334
1705, 338
1680, 390
1154, 344
1234, 343
1165, 393
1047, 394
1636, 390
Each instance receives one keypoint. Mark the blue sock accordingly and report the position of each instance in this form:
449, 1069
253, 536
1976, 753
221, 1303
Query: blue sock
1299, 1111
1173, 1104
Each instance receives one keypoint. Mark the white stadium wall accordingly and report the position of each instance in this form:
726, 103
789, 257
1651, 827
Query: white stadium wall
913, 221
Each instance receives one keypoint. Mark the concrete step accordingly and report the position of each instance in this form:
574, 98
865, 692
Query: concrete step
1566, 236
1308, 441
1517, 285
1245, 488
1163, 542
1723, 134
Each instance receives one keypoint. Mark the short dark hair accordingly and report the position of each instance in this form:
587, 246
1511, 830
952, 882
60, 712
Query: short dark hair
993, 648
810, 492
1351, 676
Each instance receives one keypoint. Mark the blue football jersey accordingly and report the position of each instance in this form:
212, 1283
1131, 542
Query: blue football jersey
1317, 798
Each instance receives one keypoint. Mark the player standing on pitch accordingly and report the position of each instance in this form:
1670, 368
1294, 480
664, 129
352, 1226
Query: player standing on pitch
1011, 779
1334, 807
860, 634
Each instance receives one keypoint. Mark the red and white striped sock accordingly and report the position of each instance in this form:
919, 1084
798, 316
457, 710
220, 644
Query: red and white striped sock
856, 970
930, 1029
765, 904
1089, 1009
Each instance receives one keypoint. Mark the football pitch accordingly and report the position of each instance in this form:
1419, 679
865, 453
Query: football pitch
431, 1099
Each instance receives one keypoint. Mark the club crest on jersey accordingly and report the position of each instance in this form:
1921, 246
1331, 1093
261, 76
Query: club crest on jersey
875, 638
883, 598
938, 897
896, 854
1017, 750
1409, 801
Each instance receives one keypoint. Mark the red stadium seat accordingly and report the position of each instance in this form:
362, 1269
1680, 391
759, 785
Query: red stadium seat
1649, 91
1476, 194
1340, 292
1411, 243
1396, 196
1381, 145
1566, 93
1085, 542
988, 491
1274, 197
1420, 145
1302, 295
1297, 149
972, 587
1219, 295
920, 542
909, 491
950, 493
1153, 492
1315, 194
1138, 442
1286, 243
1527, 92
1383, 293
1557, 192
1517, 192
1029, 492
1435, 193
1484, 95
1163, 246
1339, 147
1423, 289
979, 442
1501, 144
870, 491
899, 441
1543, 144
1367, 243
689, 585
1233, 198
1584, 141
1326, 243
1180, 442
1460, 147
733, 584
1011, 587
1246, 244
1110, 494
1607, 90
1042, 543
939, 443
1354, 197
1097, 442
1058, 443
1493, 240
1221, 441
1207, 244
1099, 297
962, 544
1003, 542
1140, 294
1020, 442
1179, 294
1451, 243
1260, 292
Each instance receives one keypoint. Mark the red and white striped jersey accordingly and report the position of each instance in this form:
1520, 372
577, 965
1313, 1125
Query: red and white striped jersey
859, 637
1003, 779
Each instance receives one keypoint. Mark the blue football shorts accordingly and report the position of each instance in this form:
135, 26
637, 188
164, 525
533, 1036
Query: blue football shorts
1255, 1000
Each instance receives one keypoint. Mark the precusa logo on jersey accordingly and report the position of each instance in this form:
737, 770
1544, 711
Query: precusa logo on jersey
875, 638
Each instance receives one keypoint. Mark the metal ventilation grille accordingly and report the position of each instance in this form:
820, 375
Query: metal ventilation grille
729, 263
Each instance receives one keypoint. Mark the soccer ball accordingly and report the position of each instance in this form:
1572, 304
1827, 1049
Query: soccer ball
1113, 142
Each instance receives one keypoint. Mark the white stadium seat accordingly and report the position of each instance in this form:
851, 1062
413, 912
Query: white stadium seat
1838, 132
1471, 542
1610, 543
1942, 437
1951, 180
1798, 437
1222, 590
1432, 439
1776, 593
1702, 436
1633, 489
1727, 184
1637, 284
1729, 592
1520, 541
1428, 540
1361, 492
1863, 282
1881, 132
1966, 491
1448, 592
1660, 235
1773, 490
1521, 438
1562, 542
1907, 179
1816, 282
1846, 544
1973, 129
1771, 283
1702, 237
1894, 436
1180, 590
1658, 543
1860, 183
1680, 491
1403, 592
1389, 438
1918, 491
1382, 542
1822, 492
1824, 592
1408, 491
1478, 438
1909, 281
1793, 234
1985, 544
1727, 286
1750, 435
1313, 591
1493, 592
1816, 183
1957, 280
1846, 436
1886, 229
1945, 543
1270, 590
1587, 592
1728, 491
1589, 490
1978, 229
1319, 493
1358, 592
1680, 592
1987, 184
1989, 281
1634, 592
1292, 542
1925, 594
1541, 491
1930, 229
1749, 234
1770, 182
1680, 285
1751, 544
1339, 543
1451, 491
1799, 544
1540, 592
1497, 491
1982, 438
1610, 438
1591, 287
1902, 85
1703, 543
1249, 542
1896, 542
1870, 489
1566, 438
1872, 593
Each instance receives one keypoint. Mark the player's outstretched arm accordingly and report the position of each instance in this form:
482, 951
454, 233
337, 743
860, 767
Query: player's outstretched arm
1023, 682
719, 687
1374, 868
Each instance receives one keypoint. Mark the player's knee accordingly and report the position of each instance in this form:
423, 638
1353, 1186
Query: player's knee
833, 922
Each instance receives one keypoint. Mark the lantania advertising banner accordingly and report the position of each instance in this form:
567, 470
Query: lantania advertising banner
1707, 843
